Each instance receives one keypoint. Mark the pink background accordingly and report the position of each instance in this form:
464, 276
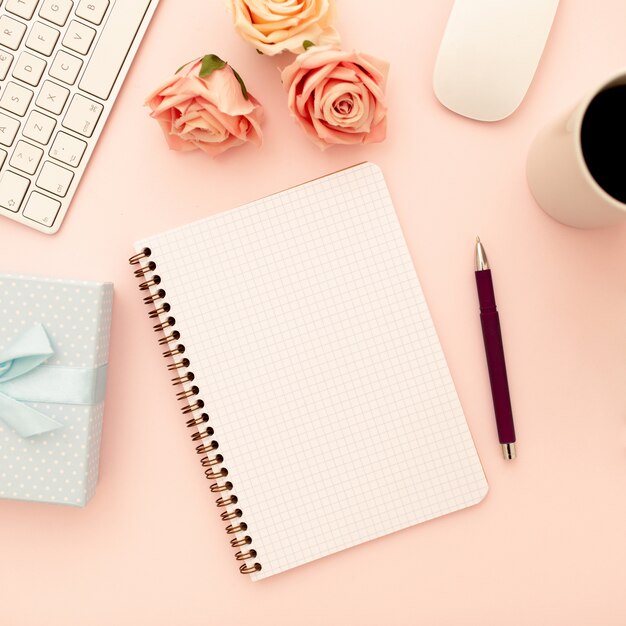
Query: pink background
548, 544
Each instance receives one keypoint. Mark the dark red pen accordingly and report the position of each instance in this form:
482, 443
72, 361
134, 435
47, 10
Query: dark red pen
494, 350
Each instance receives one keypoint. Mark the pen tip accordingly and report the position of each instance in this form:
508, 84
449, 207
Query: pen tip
477, 239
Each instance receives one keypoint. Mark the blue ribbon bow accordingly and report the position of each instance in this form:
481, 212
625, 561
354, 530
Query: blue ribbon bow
24, 379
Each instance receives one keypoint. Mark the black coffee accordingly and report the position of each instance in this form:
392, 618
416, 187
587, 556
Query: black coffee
603, 140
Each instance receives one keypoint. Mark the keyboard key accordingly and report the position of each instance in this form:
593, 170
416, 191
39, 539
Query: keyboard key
11, 32
26, 157
42, 38
92, 10
29, 68
16, 98
78, 37
54, 178
116, 38
42, 209
39, 127
52, 97
8, 129
22, 8
68, 149
65, 67
56, 11
6, 58
82, 115
12, 190
3, 156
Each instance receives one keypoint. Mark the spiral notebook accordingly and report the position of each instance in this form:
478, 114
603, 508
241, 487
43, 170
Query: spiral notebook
310, 371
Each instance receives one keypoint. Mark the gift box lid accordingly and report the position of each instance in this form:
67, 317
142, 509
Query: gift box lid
76, 315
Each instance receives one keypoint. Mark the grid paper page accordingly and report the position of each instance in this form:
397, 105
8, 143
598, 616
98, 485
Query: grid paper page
317, 360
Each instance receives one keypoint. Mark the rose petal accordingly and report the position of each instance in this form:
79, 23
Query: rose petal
337, 95
272, 27
208, 113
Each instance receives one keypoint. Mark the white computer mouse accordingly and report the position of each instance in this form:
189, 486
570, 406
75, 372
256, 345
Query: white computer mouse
489, 53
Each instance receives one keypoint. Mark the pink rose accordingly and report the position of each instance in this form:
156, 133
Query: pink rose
273, 26
206, 106
338, 96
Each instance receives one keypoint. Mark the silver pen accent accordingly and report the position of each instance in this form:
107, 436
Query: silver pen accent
481, 262
508, 451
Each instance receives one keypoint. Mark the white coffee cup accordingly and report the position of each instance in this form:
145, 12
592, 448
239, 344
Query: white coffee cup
558, 175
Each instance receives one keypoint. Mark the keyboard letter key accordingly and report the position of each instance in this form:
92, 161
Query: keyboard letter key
11, 32
8, 129
92, 10
78, 37
6, 58
41, 209
42, 38
22, 8
29, 68
52, 97
16, 98
39, 127
54, 178
56, 11
12, 190
65, 67
82, 115
112, 48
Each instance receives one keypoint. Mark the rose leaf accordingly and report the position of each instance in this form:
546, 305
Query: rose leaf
210, 63
306, 44
244, 91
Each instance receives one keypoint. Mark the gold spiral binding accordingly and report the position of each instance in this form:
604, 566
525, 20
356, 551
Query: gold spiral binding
159, 295
197, 421
142, 271
176, 366
217, 488
239, 528
155, 280
210, 462
244, 541
134, 260
228, 515
164, 308
175, 336
179, 349
215, 469
186, 378
209, 447
244, 556
222, 502
170, 321
203, 435
190, 408
188, 393
213, 475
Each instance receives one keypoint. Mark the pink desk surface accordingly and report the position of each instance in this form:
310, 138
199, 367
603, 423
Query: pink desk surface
546, 547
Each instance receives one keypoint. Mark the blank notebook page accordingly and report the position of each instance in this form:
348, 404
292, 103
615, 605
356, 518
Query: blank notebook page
319, 365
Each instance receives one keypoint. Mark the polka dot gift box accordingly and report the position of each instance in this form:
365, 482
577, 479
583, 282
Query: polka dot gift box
54, 345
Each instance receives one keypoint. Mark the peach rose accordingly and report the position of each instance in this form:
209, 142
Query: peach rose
273, 26
338, 96
206, 106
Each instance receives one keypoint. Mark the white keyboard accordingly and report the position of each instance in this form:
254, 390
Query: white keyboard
62, 63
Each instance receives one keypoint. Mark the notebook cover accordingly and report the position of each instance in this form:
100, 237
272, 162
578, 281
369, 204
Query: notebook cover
319, 370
